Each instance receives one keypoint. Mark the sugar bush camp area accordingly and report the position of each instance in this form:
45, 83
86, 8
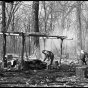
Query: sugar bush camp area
43, 44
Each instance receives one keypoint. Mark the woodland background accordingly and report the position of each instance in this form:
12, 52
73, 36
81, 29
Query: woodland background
67, 18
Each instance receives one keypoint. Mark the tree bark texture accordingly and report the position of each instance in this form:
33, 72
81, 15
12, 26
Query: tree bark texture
4, 30
35, 24
79, 29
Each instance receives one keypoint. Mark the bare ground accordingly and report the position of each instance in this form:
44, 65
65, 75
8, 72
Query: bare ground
62, 77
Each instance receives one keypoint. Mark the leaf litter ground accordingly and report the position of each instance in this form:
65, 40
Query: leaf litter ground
62, 77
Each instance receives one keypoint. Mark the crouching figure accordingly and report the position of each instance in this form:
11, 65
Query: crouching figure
83, 57
48, 56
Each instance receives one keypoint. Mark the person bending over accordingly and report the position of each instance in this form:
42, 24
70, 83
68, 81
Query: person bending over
48, 56
83, 57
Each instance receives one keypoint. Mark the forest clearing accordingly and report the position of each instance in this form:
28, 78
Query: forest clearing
43, 44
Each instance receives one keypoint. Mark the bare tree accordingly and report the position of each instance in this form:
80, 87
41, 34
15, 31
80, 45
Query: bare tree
51, 22
79, 37
4, 30
84, 24
11, 9
35, 24
13, 28
45, 22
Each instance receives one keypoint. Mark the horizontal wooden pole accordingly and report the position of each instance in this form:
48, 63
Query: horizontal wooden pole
69, 39
9, 34
56, 38
36, 34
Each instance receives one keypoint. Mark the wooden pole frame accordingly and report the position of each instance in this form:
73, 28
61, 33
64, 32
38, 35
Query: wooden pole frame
61, 49
4, 50
35, 34
22, 53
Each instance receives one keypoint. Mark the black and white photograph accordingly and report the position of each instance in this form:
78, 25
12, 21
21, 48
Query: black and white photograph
44, 44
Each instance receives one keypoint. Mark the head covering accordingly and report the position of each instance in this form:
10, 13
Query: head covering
82, 51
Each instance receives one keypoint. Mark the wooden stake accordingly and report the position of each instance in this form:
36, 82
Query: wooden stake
22, 54
4, 50
61, 50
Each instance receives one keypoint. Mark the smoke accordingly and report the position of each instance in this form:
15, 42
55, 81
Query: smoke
69, 46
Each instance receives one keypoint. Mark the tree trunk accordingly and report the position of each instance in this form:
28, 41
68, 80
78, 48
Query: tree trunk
45, 23
63, 20
79, 33
36, 27
28, 27
3, 17
22, 53
45, 15
51, 23
13, 37
4, 30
